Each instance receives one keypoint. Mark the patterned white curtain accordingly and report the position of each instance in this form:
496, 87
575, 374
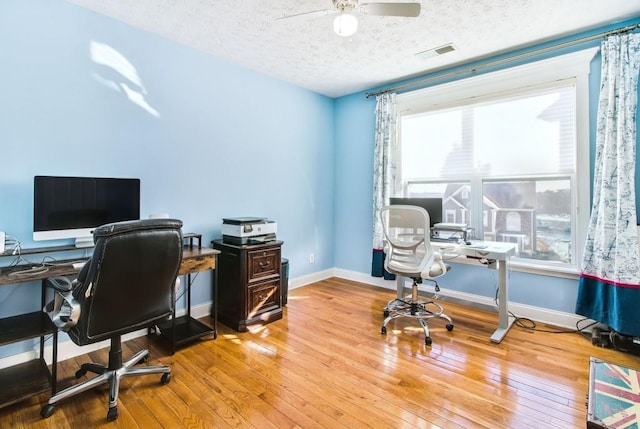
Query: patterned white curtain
384, 169
609, 287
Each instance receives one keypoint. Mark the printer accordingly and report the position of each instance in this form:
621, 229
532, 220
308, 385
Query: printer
248, 230
451, 232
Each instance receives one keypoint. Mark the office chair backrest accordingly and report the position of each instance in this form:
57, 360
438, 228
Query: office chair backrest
407, 239
128, 283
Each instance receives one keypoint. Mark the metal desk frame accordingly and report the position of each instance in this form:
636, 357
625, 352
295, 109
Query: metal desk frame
498, 254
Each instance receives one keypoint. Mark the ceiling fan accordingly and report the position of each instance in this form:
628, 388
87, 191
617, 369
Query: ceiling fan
346, 23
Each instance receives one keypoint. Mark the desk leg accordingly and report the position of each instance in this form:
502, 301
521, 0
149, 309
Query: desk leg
214, 294
504, 320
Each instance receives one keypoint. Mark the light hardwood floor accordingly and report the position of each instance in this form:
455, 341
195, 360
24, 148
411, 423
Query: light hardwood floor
327, 365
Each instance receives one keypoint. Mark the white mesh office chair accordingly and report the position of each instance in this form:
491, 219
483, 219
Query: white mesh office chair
408, 253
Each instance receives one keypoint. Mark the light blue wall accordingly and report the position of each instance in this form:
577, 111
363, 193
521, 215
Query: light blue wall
354, 148
227, 141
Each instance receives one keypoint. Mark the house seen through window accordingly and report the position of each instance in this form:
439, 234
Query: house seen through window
505, 160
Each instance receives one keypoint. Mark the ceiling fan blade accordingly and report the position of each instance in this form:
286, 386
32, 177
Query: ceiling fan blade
391, 9
308, 15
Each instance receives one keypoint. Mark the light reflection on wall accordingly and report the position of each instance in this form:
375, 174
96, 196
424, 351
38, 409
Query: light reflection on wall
128, 81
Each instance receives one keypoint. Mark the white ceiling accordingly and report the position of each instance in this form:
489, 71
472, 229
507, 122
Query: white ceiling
307, 53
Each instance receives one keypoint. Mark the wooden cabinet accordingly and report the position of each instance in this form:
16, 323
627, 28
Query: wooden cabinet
248, 283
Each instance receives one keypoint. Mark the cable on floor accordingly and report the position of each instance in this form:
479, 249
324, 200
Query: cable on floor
526, 323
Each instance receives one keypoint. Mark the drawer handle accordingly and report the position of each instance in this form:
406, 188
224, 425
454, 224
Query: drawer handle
264, 265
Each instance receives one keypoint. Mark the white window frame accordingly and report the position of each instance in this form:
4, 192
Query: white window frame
514, 80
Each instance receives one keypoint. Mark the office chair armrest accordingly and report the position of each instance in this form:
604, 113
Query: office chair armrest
64, 310
59, 284
438, 267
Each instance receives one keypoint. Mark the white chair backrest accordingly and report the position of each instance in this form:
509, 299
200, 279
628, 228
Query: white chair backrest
407, 239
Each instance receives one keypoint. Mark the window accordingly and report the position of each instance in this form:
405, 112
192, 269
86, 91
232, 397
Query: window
508, 152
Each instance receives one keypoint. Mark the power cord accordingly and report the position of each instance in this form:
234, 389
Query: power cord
12, 242
183, 290
528, 324
37, 269
525, 322
33, 268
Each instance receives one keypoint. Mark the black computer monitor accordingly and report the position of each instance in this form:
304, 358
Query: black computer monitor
433, 206
72, 207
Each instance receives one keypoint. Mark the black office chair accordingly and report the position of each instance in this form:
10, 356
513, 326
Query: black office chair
127, 285
408, 253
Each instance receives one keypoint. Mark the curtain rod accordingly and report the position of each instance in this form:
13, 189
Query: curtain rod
505, 60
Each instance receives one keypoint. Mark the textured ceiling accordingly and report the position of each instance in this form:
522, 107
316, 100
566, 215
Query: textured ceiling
307, 53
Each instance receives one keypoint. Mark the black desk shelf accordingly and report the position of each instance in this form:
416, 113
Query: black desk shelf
23, 381
32, 377
24, 327
179, 330
185, 330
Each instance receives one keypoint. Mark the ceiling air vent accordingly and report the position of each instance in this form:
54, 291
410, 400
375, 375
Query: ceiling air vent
434, 52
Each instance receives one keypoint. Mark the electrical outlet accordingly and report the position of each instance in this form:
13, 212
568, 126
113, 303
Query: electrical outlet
312, 258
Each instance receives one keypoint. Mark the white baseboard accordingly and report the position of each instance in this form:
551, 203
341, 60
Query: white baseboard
311, 278
537, 314
67, 349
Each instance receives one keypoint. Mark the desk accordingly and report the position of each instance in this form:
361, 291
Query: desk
33, 377
491, 251
183, 329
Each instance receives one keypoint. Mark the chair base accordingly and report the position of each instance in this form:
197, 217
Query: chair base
110, 374
413, 307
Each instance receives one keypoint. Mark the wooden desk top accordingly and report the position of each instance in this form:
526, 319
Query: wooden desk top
193, 260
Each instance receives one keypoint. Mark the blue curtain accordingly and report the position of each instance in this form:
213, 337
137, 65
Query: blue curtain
384, 173
609, 286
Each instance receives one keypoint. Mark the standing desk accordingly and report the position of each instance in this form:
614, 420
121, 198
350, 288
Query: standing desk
498, 254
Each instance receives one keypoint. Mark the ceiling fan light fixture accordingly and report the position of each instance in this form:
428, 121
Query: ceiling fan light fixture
345, 24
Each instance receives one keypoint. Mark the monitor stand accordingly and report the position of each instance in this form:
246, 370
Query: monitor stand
82, 242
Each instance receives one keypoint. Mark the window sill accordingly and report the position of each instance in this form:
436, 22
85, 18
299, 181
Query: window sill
559, 271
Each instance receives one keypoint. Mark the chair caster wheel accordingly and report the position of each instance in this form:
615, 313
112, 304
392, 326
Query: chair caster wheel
81, 373
427, 341
450, 327
112, 414
383, 331
385, 313
166, 378
47, 410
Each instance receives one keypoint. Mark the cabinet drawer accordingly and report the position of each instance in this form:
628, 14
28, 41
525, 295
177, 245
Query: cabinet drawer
263, 297
263, 263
